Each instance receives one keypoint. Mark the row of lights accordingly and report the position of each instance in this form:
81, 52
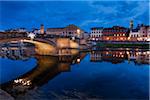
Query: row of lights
23, 82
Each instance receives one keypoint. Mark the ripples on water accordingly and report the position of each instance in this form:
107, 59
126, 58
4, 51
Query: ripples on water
102, 74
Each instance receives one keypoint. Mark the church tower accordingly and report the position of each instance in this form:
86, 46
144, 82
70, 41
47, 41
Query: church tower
131, 24
42, 29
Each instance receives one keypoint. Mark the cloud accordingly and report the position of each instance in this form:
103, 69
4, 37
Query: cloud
86, 14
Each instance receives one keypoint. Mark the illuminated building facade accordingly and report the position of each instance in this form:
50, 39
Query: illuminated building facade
140, 33
134, 35
16, 30
42, 29
116, 33
145, 33
96, 33
6, 35
70, 30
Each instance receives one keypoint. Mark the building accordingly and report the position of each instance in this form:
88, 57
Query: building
134, 35
7, 35
115, 33
70, 30
42, 29
36, 31
16, 30
145, 32
96, 33
131, 24
140, 33
22, 30
55, 31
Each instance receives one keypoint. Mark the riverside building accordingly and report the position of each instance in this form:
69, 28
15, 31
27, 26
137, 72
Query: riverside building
115, 33
96, 33
70, 30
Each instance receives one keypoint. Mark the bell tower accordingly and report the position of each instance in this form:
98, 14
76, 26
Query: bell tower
42, 29
131, 24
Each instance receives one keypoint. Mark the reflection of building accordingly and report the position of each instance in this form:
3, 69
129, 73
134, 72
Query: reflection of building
96, 33
140, 57
110, 56
95, 56
16, 51
70, 30
118, 56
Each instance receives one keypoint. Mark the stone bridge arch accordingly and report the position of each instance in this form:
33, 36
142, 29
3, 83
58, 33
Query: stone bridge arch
42, 48
47, 46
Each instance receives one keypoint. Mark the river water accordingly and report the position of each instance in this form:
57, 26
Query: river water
106, 73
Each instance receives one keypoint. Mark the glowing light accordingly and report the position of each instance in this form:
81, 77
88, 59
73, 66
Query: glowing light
107, 53
128, 52
137, 53
78, 31
144, 53
78, 60
23, 82
148, 52
73, 38
107, 38
93, 38
148, 39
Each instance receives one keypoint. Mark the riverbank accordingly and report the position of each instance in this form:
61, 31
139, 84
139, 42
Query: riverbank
5, 96
117, 45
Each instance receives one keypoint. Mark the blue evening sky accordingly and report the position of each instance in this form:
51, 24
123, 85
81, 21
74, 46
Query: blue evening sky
85, 14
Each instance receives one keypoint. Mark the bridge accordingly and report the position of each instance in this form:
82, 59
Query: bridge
46, 69
48, 46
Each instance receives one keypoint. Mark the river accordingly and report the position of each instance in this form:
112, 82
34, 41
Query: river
106, 73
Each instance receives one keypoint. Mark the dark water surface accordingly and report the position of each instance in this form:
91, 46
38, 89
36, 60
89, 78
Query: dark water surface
101, 74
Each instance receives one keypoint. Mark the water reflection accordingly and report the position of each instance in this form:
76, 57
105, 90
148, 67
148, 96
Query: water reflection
118, 56
46, 69
49, 67
17, 53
